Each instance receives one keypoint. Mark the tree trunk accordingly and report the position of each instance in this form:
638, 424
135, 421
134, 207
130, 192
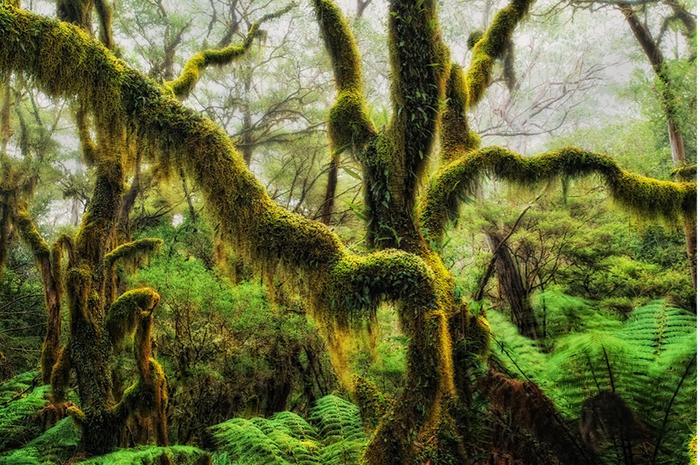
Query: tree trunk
512, 286
675, 137
331, 187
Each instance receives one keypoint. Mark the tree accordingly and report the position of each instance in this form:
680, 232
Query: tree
430, 97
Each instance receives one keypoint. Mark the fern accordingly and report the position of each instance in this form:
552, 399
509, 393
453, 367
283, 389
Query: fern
561, 314
517, 353
18, 419
55, 445
648, 361
152, 455
333, 436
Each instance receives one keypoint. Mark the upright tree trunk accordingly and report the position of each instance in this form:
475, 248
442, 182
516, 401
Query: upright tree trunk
675, 137
512, 286
331, 187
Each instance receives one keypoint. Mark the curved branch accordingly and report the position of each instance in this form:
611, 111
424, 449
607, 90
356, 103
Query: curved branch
491, 46
184, 84
132, 250
647, 196
128, 310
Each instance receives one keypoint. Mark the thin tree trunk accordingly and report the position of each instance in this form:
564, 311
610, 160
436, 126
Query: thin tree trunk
678, 157
511, 286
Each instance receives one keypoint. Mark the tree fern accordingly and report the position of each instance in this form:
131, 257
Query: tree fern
18, 413
55, 445
333, 436
560, 314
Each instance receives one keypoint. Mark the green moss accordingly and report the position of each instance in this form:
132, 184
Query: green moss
349, 123
419, 66
491, 46
127, 311
371, 401
31, 235
646, 196
456, 139
183, 85
474, 37
132, 251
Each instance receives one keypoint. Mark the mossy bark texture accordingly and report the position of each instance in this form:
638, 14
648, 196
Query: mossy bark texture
343, 288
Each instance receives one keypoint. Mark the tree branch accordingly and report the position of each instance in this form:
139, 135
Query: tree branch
184, 84
491, 46
647, 196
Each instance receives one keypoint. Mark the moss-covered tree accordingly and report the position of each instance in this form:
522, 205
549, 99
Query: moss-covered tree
430, 97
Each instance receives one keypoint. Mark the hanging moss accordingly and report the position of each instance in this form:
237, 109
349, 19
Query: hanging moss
646, 196
183, 85
349, 125
491, 46
133, 250
128, 310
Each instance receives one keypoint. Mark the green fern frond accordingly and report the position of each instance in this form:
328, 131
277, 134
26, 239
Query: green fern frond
152, 455
55, 445
334, 436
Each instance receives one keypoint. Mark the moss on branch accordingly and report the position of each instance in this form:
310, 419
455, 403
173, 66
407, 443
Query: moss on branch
184, 84
62, 59
127, 311
456, 137
646, 196
490, 46
349, 123
419, 66
133, 250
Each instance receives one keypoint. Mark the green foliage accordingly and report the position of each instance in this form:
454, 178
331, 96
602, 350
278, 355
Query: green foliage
19, 420
55, 445
644, 360
332, 436
151, 455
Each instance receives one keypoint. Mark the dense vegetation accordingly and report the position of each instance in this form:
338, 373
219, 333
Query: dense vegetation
386, 232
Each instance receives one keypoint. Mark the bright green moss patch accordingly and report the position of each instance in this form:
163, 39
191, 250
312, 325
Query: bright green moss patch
646, 196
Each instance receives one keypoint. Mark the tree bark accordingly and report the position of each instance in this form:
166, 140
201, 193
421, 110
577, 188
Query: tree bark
512, 286
675, 137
